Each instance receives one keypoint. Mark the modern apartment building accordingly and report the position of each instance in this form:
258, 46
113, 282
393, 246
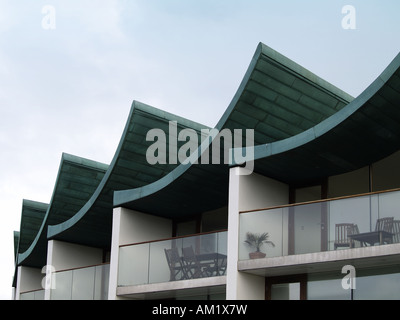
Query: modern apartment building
321, 189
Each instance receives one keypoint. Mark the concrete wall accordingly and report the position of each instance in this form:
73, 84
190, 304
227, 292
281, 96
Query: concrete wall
355, 182
28, 279
63, 256
248, 192
214, 220
131, 227
385, 175
257, 191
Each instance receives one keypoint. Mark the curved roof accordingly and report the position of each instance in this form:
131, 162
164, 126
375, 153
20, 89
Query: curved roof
304, 128
91, 224
365, 131
32, 216
76, 181
16, 243
277, 98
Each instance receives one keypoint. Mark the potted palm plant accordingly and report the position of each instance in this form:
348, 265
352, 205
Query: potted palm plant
256, 240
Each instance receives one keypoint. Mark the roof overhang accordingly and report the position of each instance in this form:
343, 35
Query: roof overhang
360, 133
304, 129
365, 131
278, 99
91, 224
76, 180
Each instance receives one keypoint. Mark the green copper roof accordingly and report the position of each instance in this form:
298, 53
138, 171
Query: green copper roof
91, 224
278, 99
76, 181
357, 134
81, 207
305, 129
365, 131
32, 216
16, 244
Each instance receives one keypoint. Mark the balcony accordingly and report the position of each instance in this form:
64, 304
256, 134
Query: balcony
353, 223
32, 295
176, 260
89, 283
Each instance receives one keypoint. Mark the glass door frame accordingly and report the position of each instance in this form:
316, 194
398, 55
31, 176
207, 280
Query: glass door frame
323, 185
298, 278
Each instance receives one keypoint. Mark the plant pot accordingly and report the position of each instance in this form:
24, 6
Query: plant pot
257, 255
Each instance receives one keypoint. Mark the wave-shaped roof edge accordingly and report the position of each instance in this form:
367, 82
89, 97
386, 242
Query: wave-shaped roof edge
285, 62
126, 196
32, 216
16, 243
278, 147
65, 157
55, 230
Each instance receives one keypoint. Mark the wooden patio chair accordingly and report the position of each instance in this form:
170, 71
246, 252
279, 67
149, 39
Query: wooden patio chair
218, 268
385, 224
342, 232
396, 231
177, 271
193, 267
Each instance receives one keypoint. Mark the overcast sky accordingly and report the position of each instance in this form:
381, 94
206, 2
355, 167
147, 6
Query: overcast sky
68, 87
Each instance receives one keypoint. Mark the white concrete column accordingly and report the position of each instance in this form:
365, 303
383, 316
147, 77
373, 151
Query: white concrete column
239, 286
247, 192
233, 235
131, 227
113, 278
18, 284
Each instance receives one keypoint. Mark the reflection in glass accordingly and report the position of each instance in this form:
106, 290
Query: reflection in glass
378, 287
371, 284
318, 226
101, 282
307, 228
133, 266
83, 284
326, 289
89, 283
63, 286
172, 260
34, 295
285, 291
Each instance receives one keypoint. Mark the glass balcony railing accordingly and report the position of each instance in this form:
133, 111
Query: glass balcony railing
366, 220
89, 283
32, 295
175, 259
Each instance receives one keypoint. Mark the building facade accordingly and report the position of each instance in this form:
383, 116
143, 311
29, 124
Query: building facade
311, 211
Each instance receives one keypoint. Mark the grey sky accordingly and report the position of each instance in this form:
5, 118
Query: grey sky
69, 89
